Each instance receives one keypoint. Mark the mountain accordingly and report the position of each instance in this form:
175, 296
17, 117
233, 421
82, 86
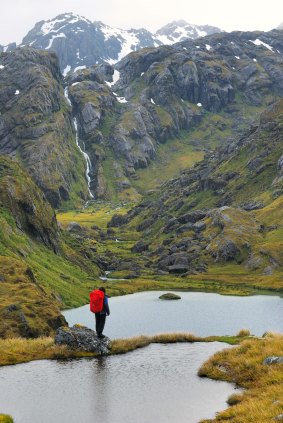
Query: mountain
280, 26
171, 103
36, 124
181, 30
114, 133
78, 42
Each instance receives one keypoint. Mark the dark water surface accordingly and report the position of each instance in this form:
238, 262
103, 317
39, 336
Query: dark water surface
157, 384
201, 313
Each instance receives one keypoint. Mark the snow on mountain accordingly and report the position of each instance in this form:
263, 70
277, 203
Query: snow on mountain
177, 31
78, 42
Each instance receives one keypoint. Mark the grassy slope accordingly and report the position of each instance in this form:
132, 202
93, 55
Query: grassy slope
34, 280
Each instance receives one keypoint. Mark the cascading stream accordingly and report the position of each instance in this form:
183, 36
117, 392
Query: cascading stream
86, 156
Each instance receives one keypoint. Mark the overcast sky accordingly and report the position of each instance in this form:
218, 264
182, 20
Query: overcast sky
17, 17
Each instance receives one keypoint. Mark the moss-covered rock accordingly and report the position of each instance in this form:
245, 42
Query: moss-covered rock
169, 296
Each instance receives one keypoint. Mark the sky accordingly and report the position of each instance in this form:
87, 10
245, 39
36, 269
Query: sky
17, 17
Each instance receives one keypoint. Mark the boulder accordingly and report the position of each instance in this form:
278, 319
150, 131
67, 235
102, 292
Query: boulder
74, 227
83, 339
118, 220
273, 360
169, 296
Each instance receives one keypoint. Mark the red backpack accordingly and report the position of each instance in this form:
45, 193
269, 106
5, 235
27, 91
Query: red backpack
96, 301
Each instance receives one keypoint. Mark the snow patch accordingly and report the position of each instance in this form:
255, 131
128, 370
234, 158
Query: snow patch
258, 42
208, 47
49, 26
66, 70
115, 78
61, 35
237, 57
152, 101
79, 67
181, 33
74, 84
254, 60
142, 73
122, 99
199, 104
17, 92
2, 66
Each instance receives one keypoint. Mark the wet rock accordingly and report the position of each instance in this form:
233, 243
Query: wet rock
82, 339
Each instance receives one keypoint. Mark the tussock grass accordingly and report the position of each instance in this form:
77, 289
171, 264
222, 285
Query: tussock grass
244, 332
20, 350
262, 401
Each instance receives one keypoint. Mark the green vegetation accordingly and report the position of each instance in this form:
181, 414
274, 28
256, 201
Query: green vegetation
261, 401
4, 418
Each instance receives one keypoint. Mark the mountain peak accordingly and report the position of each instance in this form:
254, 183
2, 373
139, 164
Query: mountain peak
180, 30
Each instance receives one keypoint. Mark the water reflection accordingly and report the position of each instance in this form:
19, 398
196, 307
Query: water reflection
156, 384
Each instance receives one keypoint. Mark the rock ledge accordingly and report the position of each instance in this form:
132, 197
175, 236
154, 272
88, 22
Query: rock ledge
82, 338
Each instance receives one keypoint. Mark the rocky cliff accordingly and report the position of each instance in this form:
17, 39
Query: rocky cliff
36, 124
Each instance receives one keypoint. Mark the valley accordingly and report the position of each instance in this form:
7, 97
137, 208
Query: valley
157, 170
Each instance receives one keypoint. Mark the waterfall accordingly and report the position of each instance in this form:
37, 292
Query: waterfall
86, 156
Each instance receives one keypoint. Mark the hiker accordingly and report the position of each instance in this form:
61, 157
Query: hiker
99, 306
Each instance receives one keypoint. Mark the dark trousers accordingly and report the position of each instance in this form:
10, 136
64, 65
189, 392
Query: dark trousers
99, 323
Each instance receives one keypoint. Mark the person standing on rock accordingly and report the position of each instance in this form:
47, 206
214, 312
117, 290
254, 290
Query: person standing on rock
100, 317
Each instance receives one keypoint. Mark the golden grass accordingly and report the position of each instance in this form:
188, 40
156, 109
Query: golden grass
20, 350
262, 401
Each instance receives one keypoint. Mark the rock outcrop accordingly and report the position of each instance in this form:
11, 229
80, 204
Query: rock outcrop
273, 360
83, 339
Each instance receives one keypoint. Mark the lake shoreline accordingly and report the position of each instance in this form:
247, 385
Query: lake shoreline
21, 350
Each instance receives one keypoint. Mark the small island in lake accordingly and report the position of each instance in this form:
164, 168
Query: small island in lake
169, 296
